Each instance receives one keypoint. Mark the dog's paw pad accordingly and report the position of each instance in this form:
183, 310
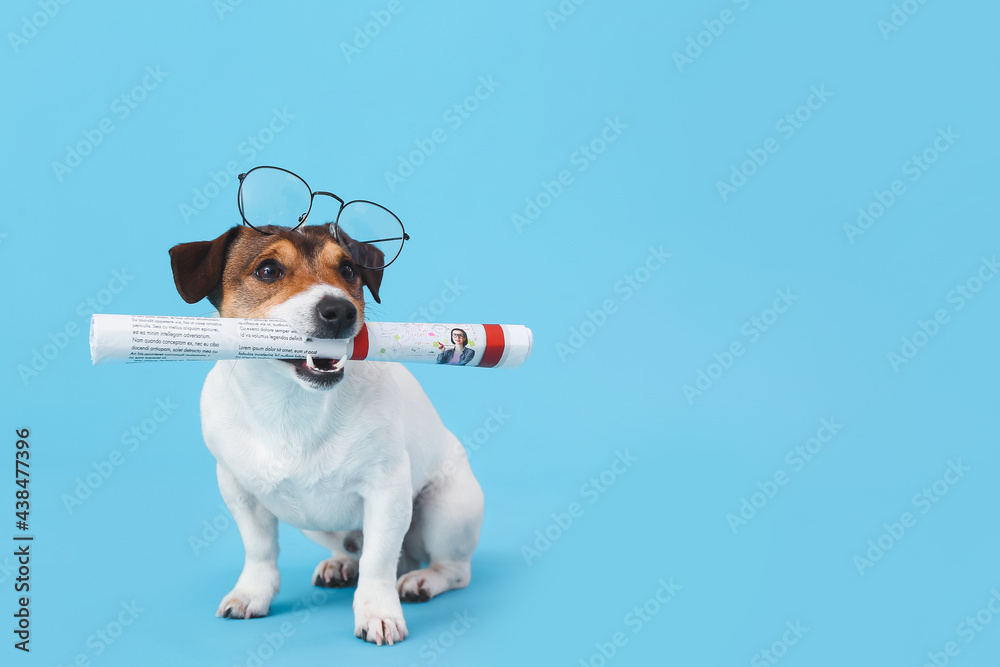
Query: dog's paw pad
336, 572
239, 604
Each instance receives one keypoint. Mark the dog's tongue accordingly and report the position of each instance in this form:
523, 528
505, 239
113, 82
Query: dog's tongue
323, 364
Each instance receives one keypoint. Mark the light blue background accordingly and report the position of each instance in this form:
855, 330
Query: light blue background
654, 186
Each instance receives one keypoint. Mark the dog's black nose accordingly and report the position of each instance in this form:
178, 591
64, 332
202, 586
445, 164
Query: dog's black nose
336, 316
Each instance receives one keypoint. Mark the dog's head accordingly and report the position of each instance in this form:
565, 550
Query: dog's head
302, 276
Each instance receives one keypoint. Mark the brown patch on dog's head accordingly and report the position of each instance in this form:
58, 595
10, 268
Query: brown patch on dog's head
245, 273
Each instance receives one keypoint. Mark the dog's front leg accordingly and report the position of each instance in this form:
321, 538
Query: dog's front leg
378, 615
259, 581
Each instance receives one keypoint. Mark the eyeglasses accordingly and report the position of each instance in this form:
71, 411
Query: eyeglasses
276, 196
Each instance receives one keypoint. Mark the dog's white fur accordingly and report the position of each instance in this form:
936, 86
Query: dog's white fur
368, 454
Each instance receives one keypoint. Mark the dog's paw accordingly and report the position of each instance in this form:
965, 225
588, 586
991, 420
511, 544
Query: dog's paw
379, 618
422, 585
415, 587
251, 598
242, 603
336, 572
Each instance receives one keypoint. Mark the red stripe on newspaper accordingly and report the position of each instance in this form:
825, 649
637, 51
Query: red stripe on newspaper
494, 346
361, 344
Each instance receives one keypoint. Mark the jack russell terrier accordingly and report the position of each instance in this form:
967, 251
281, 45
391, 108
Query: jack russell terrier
353, 454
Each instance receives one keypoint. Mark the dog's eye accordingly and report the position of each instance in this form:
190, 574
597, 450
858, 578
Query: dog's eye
269, 270
347, 271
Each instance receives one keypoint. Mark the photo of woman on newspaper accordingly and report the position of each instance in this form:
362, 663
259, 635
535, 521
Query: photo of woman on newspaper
459, 355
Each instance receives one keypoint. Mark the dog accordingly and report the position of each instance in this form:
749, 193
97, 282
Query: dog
350, 452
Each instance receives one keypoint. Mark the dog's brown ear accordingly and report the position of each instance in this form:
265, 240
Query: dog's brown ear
365, 254
198, 266
369, 255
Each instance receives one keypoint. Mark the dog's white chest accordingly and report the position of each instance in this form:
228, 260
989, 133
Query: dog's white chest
301, 492
307, 476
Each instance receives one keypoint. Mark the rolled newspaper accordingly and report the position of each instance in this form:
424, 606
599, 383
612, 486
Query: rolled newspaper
137, 338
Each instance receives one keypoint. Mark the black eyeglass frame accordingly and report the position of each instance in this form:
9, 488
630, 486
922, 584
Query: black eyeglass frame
334, 227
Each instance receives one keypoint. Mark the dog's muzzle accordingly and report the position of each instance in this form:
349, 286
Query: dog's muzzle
334, 317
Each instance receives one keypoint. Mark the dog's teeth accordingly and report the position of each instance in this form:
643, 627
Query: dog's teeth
339, 366
309, 362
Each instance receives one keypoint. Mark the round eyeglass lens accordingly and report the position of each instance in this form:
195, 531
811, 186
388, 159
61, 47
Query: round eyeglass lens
271, 196
370, 223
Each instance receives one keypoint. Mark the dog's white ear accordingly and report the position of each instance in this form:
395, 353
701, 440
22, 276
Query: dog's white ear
197, 266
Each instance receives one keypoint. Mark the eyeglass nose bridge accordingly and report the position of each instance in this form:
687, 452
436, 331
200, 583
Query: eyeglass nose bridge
312, 195
328, 194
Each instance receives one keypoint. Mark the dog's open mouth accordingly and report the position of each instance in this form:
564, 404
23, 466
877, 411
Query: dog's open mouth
318, 368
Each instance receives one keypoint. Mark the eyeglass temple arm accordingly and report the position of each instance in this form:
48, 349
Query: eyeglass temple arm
404, 237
